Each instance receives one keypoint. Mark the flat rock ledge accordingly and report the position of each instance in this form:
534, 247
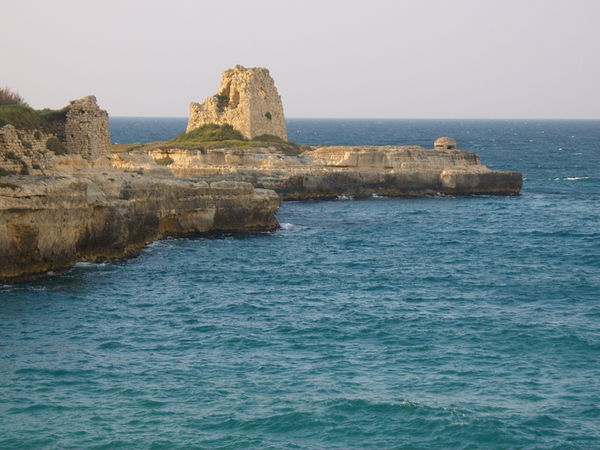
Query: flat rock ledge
49, 223
330, 172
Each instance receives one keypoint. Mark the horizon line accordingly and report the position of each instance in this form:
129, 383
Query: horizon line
383, 118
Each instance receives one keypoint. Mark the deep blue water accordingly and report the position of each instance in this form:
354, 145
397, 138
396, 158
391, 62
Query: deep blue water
430, 323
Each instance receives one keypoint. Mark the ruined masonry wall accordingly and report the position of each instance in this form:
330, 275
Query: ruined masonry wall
22, 151
85, 132
247, 100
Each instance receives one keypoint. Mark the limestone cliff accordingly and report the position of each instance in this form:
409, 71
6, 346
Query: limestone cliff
248, 100
50, 223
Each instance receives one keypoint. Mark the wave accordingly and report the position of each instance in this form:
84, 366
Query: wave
571, 178
82, 264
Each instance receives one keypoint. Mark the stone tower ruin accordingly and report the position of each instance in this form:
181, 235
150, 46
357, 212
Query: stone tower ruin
247, 100
86, 129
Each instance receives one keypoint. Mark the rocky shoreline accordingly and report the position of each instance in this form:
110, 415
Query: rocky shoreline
49, 223
65, 196
331, 172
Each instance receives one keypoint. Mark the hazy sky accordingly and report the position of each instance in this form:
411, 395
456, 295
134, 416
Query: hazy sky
329, 58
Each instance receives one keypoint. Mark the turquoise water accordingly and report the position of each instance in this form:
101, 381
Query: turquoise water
431, 323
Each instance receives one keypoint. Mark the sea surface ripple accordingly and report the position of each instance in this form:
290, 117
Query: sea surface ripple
430, 323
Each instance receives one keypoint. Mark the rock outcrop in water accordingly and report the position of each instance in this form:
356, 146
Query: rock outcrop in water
64, 198
248, 100
330, 172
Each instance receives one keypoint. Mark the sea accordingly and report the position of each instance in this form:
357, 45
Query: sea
441, 322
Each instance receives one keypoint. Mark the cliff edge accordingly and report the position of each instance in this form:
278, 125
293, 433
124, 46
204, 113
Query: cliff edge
61, 201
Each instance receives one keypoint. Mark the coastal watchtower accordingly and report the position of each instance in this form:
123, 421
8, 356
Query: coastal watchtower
247, 100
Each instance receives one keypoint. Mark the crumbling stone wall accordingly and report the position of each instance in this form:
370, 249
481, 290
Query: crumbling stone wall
247, 100
87, 131
23, 151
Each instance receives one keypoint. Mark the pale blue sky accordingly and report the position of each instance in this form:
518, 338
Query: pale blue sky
377, 58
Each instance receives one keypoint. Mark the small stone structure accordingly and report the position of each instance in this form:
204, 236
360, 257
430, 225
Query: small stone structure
444, 143
87, 131
247, 100
83, 132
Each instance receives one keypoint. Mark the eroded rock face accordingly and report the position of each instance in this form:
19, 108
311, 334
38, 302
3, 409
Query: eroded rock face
50, 223
248, 100
329, 172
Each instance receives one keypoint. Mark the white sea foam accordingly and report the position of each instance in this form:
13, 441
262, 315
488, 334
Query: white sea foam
345, 197
91, 264
571, 178
287, 226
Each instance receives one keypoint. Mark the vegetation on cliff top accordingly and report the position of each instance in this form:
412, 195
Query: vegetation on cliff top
24, 117
210, 133
15, 111
10, 97
215, 136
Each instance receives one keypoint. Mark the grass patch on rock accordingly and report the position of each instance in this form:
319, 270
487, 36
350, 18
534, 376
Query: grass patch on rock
55, 146
212, 137
210, 133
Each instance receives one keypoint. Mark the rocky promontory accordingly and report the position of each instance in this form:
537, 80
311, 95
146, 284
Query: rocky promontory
67, 195
59, 205
239, 134
330, 172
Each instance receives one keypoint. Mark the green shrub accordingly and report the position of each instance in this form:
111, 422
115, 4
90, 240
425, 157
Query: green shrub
20, 116
268, 115
165, 161
215, 136
55, 146
24, 117
37, 134
9, 97
211, 133
53, 115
